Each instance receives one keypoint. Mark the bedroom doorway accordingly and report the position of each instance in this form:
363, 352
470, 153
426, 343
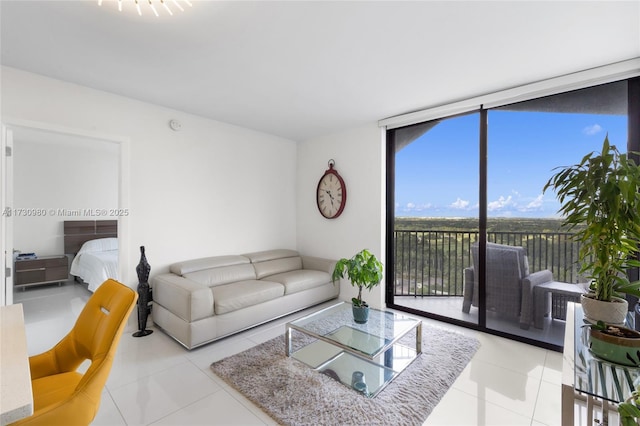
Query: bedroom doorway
59, 174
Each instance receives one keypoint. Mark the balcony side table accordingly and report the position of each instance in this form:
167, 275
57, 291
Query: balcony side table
553, 297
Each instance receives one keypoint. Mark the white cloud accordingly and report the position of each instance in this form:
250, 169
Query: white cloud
535, 204
413, 207
460, 204
500, 204
592, 130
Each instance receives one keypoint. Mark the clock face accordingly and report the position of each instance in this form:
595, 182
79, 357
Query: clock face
331, 195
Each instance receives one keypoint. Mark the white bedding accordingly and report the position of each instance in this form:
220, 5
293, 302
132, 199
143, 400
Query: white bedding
96, 262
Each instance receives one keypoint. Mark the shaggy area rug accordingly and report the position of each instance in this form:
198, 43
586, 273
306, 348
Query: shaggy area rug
294, 394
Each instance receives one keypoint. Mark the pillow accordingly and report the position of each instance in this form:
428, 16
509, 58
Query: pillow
100, 244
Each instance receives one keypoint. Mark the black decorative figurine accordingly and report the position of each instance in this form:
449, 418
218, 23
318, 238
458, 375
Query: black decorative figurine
144, 295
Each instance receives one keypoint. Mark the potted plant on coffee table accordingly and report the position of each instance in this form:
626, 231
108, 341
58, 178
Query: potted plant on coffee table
600, 201
364, 270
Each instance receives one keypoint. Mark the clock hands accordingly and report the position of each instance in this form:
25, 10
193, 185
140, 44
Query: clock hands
330, 196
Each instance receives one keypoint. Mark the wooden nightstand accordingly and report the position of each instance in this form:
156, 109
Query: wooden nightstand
43, 270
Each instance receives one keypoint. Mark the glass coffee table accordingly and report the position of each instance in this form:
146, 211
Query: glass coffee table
365, 357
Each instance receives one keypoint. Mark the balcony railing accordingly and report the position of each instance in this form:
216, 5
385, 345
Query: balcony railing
431, 263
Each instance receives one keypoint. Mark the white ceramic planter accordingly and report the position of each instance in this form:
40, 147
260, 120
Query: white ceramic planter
613, 312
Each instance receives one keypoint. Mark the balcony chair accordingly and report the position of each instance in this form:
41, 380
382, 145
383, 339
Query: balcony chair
63, 396
509, 285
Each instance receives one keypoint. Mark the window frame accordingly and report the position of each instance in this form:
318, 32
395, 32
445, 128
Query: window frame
629, 71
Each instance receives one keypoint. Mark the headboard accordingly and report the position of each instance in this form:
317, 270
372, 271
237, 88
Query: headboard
77, 232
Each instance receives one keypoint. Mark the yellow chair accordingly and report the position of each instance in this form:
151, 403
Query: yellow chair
62, 396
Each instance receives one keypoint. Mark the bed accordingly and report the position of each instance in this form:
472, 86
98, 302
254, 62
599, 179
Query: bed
94, 246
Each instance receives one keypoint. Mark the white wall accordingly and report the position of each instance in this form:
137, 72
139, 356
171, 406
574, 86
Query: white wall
55, 177
214, 188
210, 189
360, 160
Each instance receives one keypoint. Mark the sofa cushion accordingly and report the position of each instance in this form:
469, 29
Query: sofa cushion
238, 295
300, 280
189, 266
277, 266
223, 275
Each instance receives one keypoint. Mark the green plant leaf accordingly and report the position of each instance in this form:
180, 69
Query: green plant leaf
600, 201
629, 412
364, 270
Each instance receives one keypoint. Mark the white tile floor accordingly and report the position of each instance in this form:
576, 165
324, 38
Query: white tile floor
156, 381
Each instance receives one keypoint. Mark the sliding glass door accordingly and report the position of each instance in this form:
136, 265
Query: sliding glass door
526, 143
471, 234
435, 214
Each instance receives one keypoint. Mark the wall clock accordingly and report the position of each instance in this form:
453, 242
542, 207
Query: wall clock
331, 194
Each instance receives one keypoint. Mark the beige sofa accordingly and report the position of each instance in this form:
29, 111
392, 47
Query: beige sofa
202, 300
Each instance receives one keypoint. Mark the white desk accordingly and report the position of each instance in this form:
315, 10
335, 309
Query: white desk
16, 397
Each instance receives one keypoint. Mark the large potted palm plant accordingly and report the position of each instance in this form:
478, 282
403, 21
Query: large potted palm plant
364, 270
600, 201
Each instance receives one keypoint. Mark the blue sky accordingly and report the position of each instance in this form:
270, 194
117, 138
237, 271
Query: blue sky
437, 175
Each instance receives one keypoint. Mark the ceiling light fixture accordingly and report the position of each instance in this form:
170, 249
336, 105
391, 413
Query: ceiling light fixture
152, 4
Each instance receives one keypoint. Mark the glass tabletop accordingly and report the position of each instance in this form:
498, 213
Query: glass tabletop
382, 330
365, 357
595, 376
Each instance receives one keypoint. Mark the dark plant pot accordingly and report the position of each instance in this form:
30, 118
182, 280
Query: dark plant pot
616, 349
360, 314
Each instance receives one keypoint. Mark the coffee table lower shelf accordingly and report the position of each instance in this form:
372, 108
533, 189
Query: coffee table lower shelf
369, 377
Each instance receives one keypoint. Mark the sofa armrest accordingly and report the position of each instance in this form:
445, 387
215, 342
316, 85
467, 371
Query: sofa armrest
538, 278
185, 298
318, 264
528, 284
468, 290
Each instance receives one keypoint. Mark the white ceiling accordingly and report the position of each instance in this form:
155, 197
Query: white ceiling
310, 68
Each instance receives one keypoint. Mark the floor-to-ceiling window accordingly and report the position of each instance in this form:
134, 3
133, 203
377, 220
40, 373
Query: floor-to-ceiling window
436, 212
526, 142
470, 219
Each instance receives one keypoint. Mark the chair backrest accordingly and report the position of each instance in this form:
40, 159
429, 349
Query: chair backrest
99, 327
513, 258
506, 266
95, 336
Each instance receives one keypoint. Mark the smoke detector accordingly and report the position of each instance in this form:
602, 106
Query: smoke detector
175, 125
